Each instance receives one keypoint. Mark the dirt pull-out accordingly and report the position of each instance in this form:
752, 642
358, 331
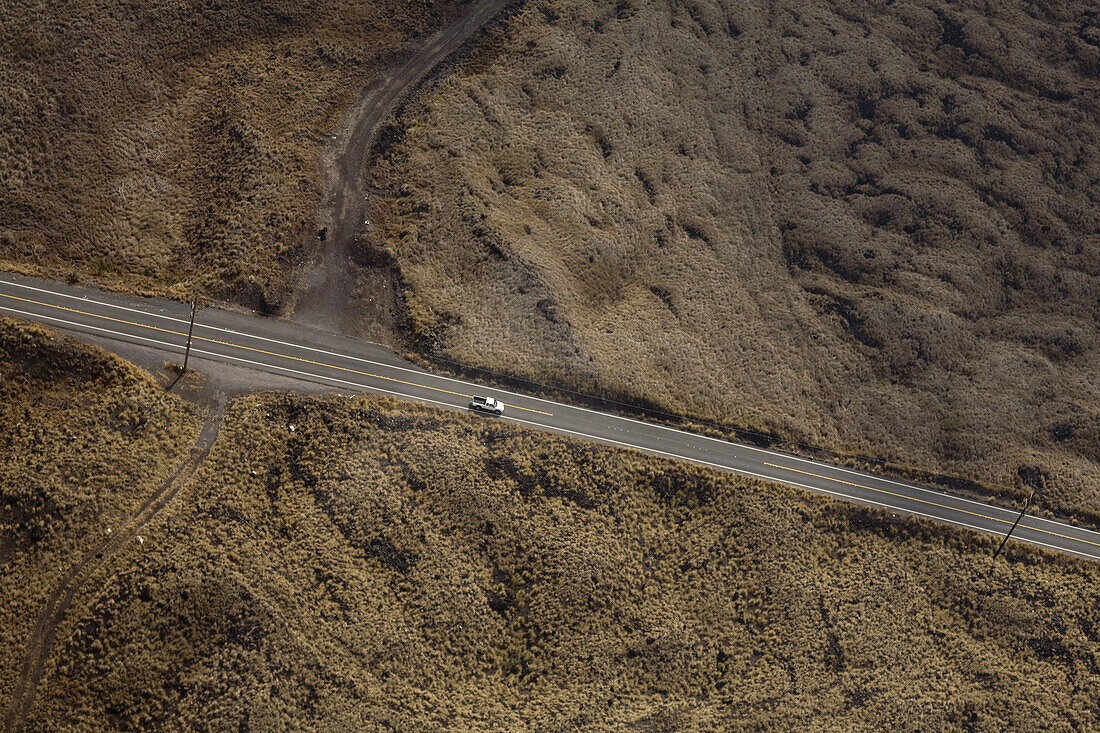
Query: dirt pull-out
45, 629
351, 286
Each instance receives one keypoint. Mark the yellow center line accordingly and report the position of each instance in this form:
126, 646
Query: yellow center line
258, 351
929, 503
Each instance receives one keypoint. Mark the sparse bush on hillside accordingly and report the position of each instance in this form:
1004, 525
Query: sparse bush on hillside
840, 224
402, 568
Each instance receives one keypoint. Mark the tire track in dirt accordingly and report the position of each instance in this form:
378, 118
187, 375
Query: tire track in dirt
44, 633
328, 286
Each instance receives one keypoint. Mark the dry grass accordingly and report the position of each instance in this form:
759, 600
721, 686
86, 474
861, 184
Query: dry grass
86, 438
386, 567
163, 146
870, 228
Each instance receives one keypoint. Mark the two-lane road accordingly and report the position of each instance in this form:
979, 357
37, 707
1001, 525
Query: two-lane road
294, 350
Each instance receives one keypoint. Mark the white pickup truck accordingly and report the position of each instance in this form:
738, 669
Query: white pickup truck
487, 404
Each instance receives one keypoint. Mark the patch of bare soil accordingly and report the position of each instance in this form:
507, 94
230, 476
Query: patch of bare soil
207, 382
351, 286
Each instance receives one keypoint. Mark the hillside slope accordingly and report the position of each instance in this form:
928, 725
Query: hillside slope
86, 438
396, 567
872, 228
165, 146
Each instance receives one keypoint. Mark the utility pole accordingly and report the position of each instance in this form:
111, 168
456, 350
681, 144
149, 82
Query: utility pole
1013, 527
190, 328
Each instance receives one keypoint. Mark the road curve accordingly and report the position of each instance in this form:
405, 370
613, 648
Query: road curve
295, 350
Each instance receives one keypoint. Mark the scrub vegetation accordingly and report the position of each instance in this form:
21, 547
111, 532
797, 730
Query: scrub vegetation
382, 567
871, 227
164, 146
86, 437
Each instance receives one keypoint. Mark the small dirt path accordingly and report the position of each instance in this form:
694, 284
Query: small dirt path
331, 285
45, 630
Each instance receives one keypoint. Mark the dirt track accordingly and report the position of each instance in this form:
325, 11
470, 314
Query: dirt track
45, 629
328, 299
336, 293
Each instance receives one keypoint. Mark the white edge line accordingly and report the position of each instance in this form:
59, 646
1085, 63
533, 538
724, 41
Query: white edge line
560, 405
912, 487
309, 377
812, 489
86, 299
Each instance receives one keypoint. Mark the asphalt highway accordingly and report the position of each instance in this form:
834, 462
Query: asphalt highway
295, 350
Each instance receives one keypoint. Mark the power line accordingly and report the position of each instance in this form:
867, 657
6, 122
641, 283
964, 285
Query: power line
1013, 527
190, 329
